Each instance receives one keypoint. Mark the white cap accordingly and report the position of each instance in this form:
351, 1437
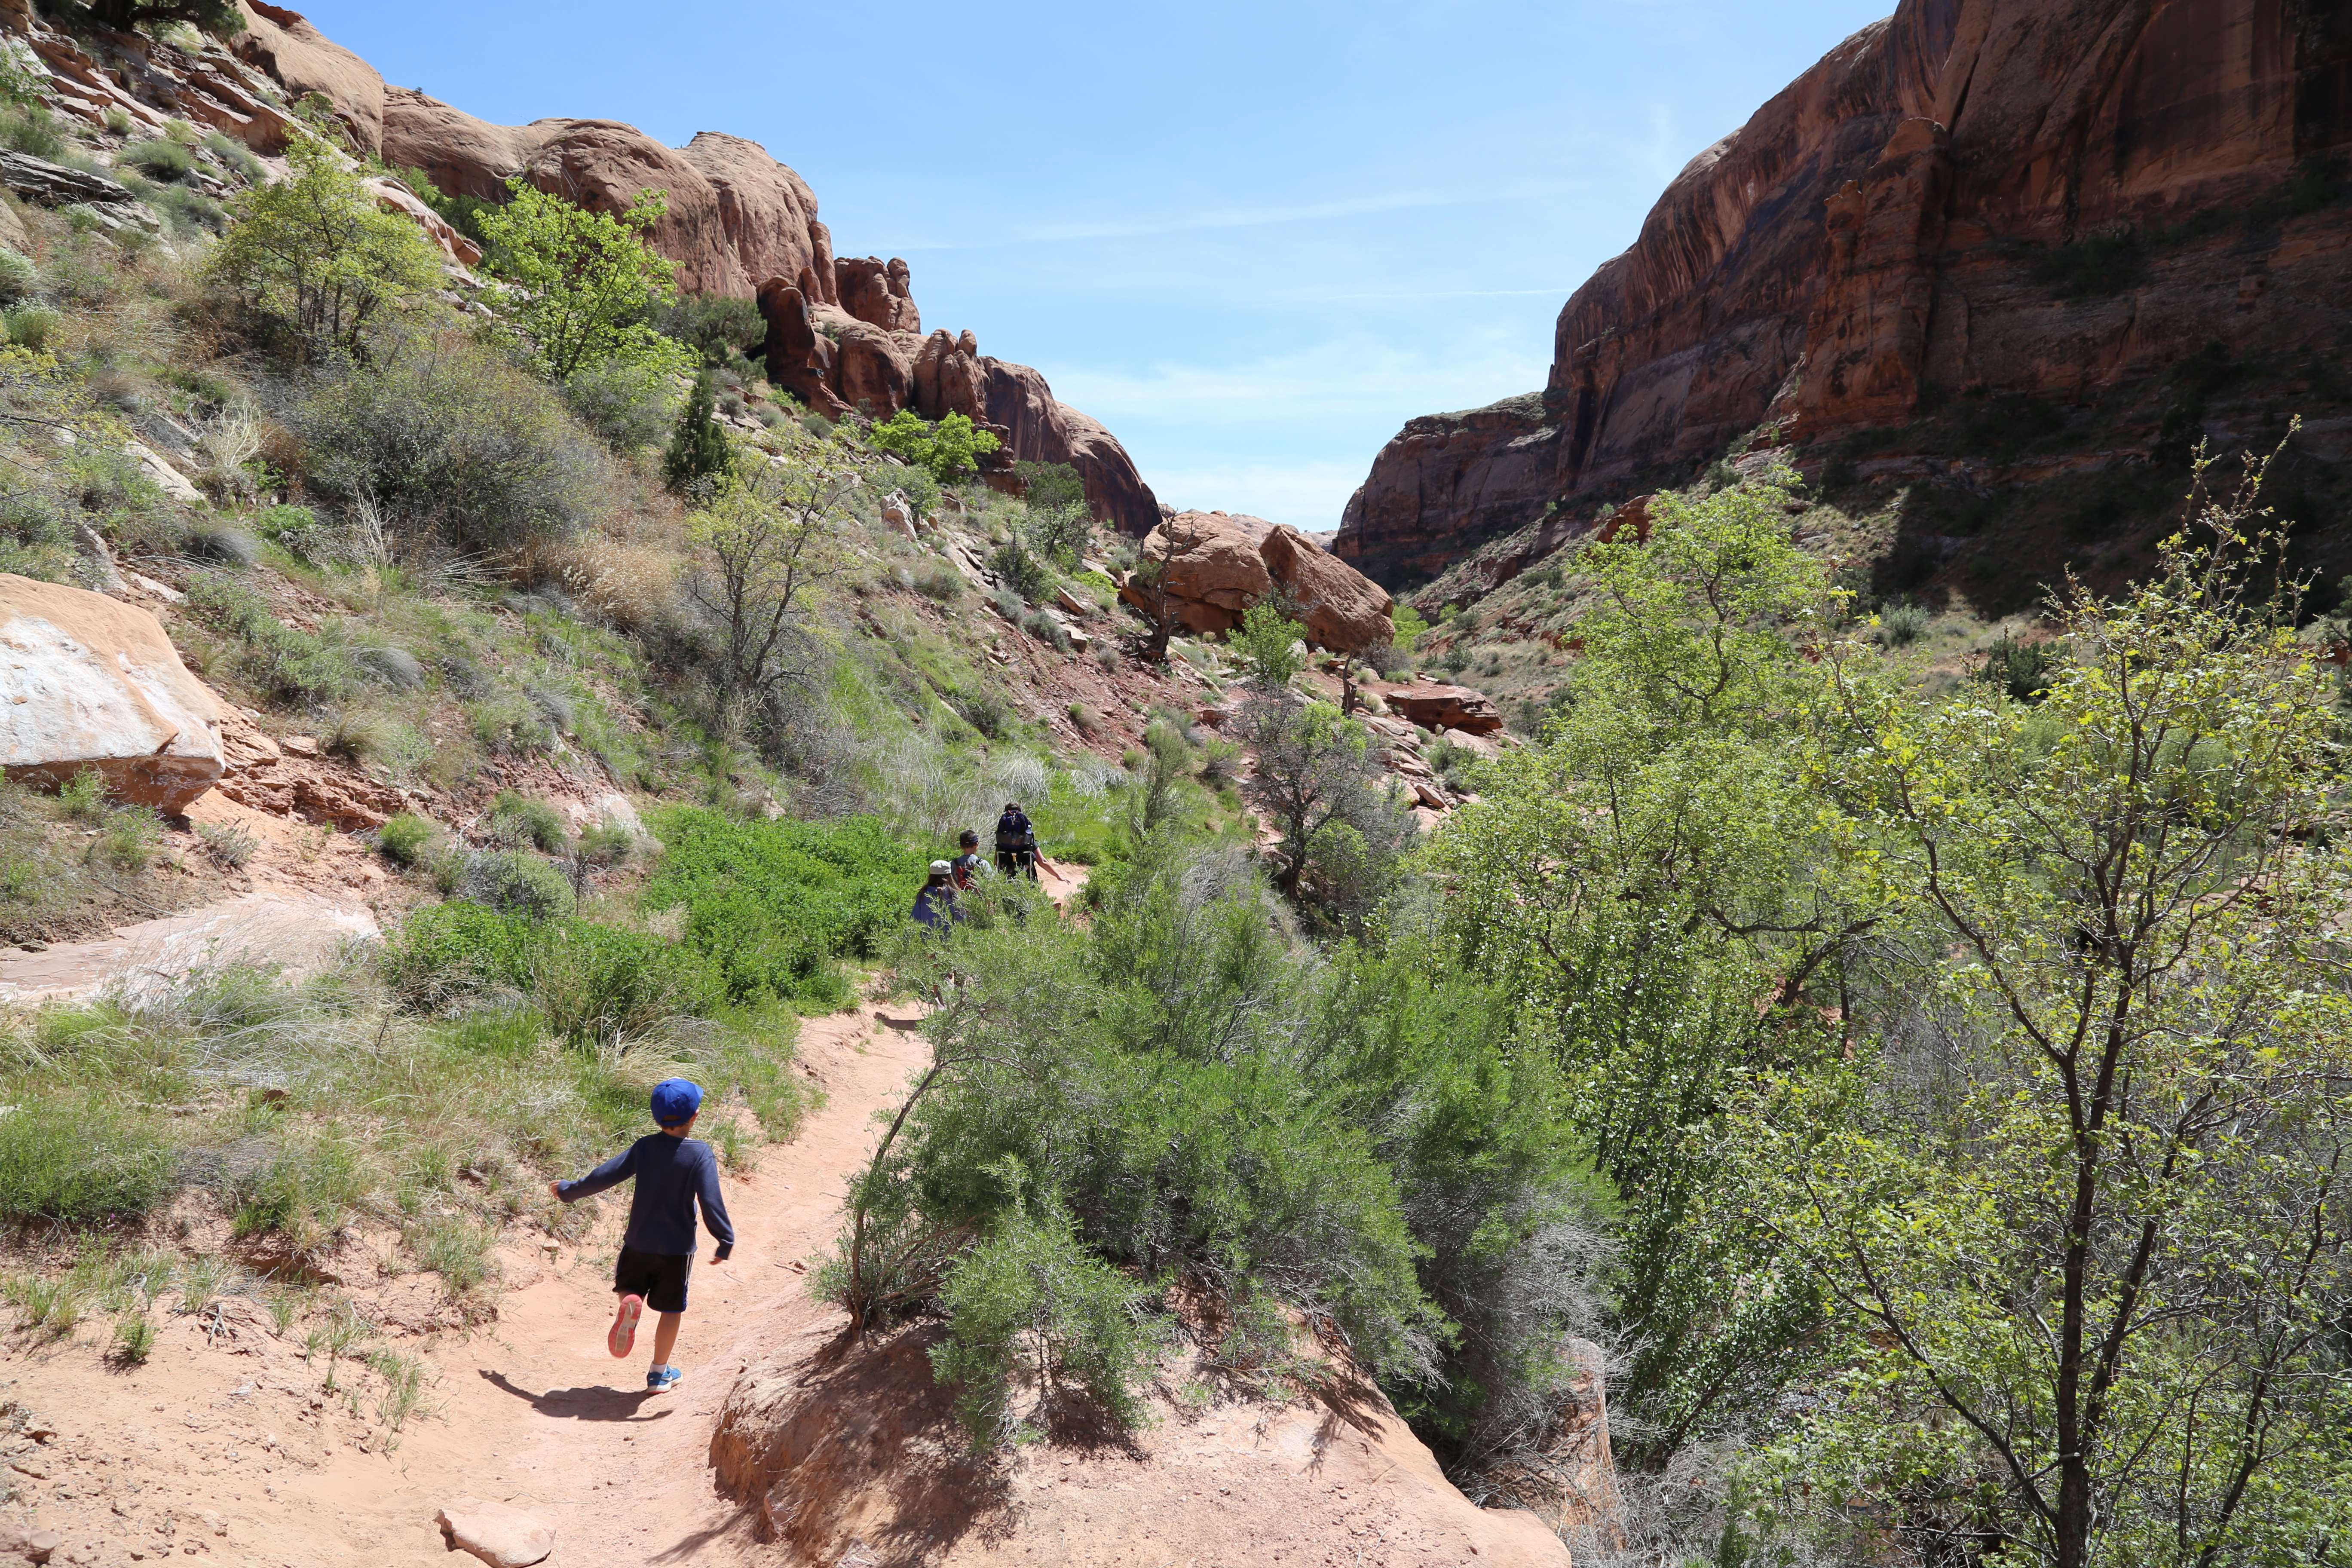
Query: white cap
941, 868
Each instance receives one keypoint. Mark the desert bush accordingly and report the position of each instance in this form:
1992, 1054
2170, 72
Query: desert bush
606, 843
516, 884
159, 159
20, 276
1903, 623
226, 845
516, 819
718, 328
31, 326
699, 453
2024, 669
1023, 571
403, 839
454, 446
31, 128
81, 1160
316, 259
37, 536
626, 408
591, 984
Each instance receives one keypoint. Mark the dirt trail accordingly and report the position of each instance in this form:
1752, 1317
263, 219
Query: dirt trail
219, 1447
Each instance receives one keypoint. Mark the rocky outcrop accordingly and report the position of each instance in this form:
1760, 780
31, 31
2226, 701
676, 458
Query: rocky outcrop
1923, 214
735, 215
837, 358
877, 292
87, 683
1211, 571
1445, 708
1343, 609
303, 60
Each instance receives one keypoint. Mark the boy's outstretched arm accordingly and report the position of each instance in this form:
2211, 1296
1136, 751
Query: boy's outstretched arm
714, 1209
611, 1173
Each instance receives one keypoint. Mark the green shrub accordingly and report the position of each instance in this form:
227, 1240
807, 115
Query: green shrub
452, 442
1031, 1304
698, 452
30, 326
517, 884
589, 984
947, 450
19, 276
238, 156
517, 820
606, 843
301, 1192
81, 1162
1027, 574
462, 1252
403, 839
1903, 623
627, 409
131, 835
772, 903
719, 329
2022, 670
159, 159
82, 798
31, 128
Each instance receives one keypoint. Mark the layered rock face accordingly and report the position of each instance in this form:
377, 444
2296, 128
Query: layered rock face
1899, 223
843, 333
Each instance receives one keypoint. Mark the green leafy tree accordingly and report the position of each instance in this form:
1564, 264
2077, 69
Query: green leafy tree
698, 451
314, 255
1314, 769
2085, 1219
768, 542
1652, 881
219, 17
1268, 645
581, 282
947, 450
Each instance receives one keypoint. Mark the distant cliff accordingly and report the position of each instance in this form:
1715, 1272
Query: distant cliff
843, 332
1970, 203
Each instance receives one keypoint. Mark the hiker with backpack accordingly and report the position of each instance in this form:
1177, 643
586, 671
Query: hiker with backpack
1016, 843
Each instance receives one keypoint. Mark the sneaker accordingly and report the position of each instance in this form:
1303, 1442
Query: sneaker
624, 1326
662, 1379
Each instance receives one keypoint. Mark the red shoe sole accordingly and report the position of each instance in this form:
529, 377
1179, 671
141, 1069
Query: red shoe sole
624, 1326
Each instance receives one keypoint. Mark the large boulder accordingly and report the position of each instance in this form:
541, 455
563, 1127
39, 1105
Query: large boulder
1212, 571
85, 682
1446, 708
877, 293
1345, 610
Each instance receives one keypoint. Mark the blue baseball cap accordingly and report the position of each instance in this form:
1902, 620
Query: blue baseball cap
676, 1100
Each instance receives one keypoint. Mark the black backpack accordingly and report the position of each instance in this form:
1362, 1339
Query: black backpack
1013, 832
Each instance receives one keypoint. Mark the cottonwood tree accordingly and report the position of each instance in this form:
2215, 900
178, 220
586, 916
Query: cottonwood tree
315, 255
2088, 1225
581, 282
766, 542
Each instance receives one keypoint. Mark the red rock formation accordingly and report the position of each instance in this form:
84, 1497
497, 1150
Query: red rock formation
1445, 708
303, 60
1344, 610
1213, 572
1047, 431
1883, 229
876, 293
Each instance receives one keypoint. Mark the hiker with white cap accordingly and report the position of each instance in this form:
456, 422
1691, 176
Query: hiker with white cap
935, 906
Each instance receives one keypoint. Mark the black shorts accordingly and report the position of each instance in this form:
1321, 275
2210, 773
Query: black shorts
659, 1276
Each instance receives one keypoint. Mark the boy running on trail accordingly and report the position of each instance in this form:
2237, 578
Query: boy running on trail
673, 1173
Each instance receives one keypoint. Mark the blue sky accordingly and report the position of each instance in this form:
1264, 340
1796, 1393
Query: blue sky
1253, 239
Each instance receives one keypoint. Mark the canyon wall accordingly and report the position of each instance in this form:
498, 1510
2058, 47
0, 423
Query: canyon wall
843, 333
2057, 199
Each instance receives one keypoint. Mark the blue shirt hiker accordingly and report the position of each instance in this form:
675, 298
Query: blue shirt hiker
674, 1173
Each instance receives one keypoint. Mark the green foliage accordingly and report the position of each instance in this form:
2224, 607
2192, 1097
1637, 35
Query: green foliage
1051, 486
1901, 623
403, 839
219, 17
770, 904
719, 329
19, 276
454, 446
516, 819
1267, 644
315, 255
1177, 1091
582, 281
1031, 1304
1410, 626
159, 159
81, 1161
698, 451
2085, 1208
2022, 670
1023, 571
591, 984
947, 450
521, 885
627, 404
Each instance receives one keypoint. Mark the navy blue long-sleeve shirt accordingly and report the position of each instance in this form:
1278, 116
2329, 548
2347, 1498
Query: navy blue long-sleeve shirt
673, 1173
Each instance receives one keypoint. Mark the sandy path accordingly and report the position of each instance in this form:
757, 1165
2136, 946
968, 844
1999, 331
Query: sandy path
221, 1448
537, 1414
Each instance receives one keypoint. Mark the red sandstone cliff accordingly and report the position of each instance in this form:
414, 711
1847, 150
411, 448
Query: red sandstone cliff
1899, 227
843, 332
